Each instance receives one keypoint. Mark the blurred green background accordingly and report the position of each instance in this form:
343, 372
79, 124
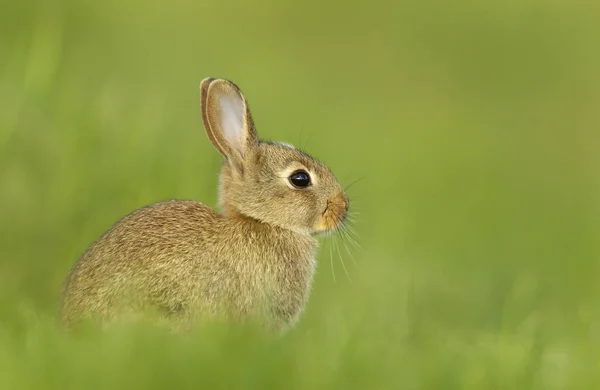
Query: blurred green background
474, 126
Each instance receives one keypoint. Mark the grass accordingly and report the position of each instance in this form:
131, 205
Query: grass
474, 126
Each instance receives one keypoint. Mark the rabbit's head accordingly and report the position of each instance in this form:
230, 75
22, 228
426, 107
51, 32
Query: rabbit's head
274, 183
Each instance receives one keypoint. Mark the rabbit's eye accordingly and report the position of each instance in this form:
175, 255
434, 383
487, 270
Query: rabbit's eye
300, 179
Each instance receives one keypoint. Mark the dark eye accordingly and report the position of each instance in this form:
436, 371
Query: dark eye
300, 179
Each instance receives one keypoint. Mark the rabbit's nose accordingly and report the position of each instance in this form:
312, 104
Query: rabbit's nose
341, 202
342, 199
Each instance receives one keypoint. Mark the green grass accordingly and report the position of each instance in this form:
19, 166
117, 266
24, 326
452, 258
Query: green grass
475, 128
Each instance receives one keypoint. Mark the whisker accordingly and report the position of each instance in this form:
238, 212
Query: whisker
342, 230
350, 238
351, 255
353, 183
303, 145
352, 231
342, 260
342, 236
331, 262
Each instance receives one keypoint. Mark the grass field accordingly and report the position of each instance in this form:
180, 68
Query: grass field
475, 127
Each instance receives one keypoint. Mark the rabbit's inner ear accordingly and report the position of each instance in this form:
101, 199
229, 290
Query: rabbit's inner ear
232, 120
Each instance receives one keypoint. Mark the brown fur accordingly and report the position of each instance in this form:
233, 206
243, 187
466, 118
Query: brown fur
188, 262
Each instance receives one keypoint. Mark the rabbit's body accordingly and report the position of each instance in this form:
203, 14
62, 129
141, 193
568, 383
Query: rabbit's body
184, 259
255, 259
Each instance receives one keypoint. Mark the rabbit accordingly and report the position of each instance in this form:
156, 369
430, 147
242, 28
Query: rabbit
253, 260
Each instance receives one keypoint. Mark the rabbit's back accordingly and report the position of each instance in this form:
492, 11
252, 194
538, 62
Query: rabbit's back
150, 257
184, 259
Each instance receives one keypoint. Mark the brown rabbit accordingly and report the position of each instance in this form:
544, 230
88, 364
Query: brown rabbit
181, 258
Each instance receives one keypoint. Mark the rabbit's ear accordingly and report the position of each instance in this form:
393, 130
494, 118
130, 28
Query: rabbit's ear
227, 118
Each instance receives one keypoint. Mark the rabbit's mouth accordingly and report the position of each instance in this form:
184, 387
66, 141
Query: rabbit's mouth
334, 214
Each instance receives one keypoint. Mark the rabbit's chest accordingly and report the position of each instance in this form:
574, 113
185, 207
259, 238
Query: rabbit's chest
283, 289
